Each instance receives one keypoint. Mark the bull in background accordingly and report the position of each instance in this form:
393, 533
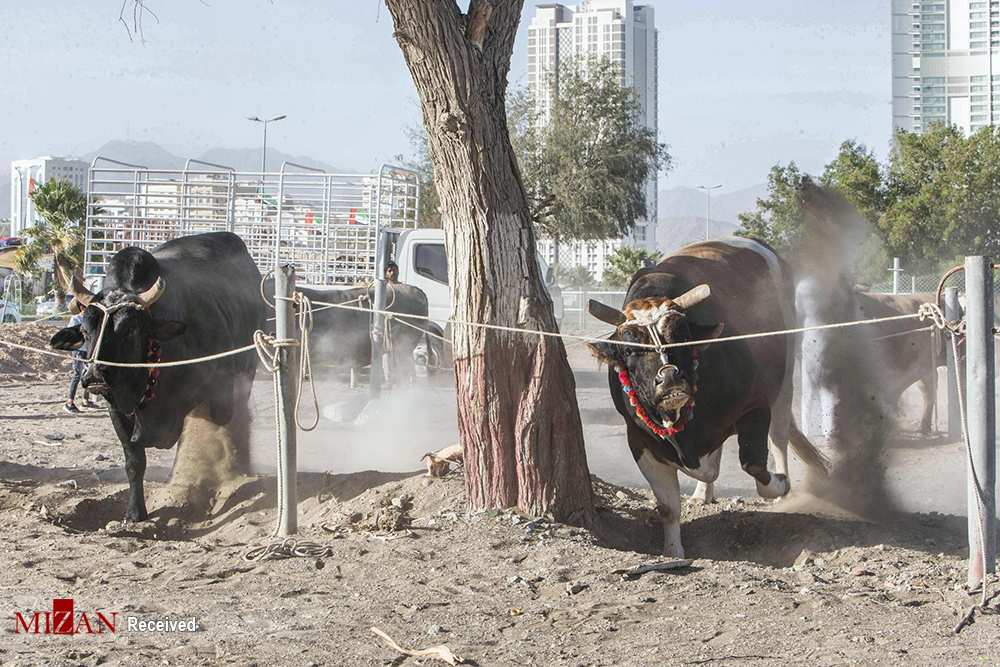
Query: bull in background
191, 297
681, 404
904, 356
341, 337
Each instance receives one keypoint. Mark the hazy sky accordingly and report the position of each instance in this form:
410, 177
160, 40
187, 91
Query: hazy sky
742, 84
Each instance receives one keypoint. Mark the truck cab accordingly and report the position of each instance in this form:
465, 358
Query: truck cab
423, 263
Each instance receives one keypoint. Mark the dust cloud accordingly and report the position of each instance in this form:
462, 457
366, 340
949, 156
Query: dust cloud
208, 457
845, 366
389, 433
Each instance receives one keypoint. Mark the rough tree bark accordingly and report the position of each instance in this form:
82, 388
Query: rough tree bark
517, 412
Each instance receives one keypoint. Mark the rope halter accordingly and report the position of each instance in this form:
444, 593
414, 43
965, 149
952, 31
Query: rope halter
650, 319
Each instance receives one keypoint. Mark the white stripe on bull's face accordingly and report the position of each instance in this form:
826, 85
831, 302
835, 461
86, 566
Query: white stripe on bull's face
663, 378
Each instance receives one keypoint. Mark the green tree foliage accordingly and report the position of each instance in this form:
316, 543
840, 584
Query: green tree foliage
856, 174
577, 277
944, 192
623, 264
62, 208
936, 199
585, 167
778, 217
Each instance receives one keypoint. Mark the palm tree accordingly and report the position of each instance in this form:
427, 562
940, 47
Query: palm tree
62, 207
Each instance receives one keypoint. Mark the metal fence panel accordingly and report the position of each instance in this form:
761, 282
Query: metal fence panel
325, 224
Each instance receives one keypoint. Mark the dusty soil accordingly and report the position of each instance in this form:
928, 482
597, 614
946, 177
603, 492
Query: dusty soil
769, 584
24, 364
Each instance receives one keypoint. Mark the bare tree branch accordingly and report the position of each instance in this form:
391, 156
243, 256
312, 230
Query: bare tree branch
139, 10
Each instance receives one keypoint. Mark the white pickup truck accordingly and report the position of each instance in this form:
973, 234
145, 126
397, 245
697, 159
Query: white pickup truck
423, 263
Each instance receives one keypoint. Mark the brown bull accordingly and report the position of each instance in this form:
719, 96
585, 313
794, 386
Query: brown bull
907, 351
680, 404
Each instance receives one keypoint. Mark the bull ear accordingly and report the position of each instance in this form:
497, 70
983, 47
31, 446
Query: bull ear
167, 329
606, 314
606, 352
706, 331
69, 338
693, 297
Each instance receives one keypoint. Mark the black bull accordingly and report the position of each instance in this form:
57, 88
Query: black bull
191, 297
341, 337
708, 392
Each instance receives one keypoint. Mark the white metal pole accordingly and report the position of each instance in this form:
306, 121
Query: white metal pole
284, 324
896, 270
953, 313
980, 417
378, 319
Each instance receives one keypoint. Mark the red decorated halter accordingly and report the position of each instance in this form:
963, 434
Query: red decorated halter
152, 357
670, 429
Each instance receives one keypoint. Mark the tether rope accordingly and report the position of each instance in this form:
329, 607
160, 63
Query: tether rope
422, 330
496, 327
289, 547
551, 334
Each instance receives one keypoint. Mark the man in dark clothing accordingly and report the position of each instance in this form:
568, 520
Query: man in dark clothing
392, 273
79, 360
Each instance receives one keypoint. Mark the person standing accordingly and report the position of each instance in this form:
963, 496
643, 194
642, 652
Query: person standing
392, 273
79, 360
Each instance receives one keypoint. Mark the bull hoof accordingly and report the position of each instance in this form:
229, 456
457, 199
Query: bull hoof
776, 488
704, 493
135, 516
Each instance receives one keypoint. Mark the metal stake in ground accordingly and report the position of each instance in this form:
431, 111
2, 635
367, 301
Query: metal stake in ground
378, 318
952, 313
981, 417
288, 359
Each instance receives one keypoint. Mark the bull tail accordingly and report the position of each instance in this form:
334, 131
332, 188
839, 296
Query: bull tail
807, 451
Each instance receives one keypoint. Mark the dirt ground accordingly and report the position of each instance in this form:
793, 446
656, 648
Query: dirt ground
770, 584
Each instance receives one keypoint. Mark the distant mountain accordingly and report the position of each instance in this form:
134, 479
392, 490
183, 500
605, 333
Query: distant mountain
141, 153
677, 231
154, 156
248, 159
682, 201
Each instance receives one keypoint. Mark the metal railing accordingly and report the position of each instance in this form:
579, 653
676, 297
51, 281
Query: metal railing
11, 298
325, 224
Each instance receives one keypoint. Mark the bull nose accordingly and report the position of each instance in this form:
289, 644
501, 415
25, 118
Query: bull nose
666, 377
94, 382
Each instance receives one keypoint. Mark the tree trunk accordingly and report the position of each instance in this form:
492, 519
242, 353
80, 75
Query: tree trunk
60, 281
556, 259
517, 412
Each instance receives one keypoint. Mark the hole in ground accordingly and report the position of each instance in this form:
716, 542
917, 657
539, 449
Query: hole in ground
241, 509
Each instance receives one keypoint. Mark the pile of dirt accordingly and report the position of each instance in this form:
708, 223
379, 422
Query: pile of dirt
15, 361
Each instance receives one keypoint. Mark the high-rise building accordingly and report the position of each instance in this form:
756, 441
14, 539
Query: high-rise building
26, 175
945, 63
622, 32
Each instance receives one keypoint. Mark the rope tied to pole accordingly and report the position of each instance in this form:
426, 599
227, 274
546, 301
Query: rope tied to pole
956, 331
268, 348
288, 547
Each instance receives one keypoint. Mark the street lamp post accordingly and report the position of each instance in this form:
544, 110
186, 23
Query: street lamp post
263, 155
708, 216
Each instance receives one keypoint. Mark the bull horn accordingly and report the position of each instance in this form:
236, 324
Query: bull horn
150, 296
693, 297
606, 314
80, 292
